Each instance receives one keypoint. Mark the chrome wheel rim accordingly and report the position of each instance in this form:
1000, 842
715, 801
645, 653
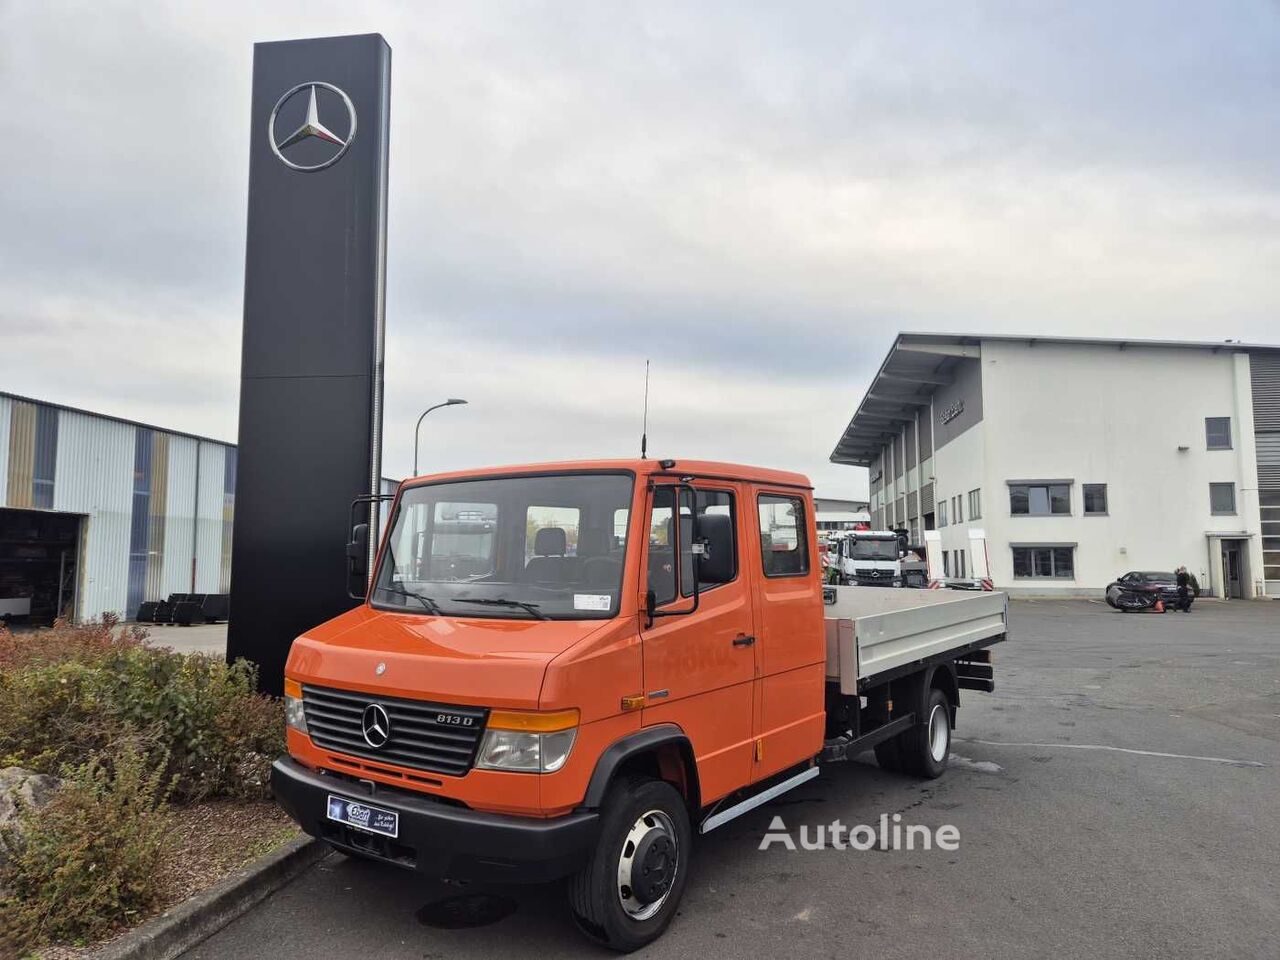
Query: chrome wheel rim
939, 733
648, 864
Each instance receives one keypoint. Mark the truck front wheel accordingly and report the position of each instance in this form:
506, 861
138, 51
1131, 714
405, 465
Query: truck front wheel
628, 892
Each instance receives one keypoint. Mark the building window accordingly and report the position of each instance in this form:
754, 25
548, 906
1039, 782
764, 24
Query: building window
1217, 433
946, 563
1095, 499
1222, 499
1270, 503
957, 506
1039, 499
960, 564
46, 456
942, 514
1043, 563
975, 504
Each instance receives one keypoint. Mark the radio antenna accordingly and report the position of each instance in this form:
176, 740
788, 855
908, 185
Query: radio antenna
644, 429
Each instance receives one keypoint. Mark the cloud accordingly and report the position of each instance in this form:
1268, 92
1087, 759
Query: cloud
755, 197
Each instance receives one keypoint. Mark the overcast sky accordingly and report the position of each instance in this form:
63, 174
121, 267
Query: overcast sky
756, 196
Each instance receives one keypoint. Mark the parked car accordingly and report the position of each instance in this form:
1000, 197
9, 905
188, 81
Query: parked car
1144, 581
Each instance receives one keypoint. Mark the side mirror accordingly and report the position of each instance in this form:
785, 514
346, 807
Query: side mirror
358, 562
715, 559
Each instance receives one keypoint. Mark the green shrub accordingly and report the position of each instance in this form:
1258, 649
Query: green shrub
86, 864
199, 716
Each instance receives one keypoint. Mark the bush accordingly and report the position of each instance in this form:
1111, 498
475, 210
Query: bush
86, 863
70, 693
66, 643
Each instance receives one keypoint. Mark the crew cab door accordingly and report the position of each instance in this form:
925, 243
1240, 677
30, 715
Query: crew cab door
699, 664
790, 632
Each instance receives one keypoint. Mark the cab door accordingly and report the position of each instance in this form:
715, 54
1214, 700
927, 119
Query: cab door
699, 664
791, 644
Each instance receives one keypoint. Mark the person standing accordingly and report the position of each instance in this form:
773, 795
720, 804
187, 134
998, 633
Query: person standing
1188, 589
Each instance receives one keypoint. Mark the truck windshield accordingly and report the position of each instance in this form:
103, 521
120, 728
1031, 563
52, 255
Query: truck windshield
874, 550
516, 548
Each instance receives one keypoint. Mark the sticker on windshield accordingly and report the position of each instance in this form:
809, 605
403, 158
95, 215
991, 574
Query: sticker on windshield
592, 601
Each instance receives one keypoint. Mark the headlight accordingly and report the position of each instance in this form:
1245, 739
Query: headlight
294, 716
527, 742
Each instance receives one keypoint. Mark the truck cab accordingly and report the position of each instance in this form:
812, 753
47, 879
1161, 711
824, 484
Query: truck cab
537, 640
870, 558
569, 669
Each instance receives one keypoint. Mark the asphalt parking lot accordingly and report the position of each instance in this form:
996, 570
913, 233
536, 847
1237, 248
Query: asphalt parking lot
1118, 796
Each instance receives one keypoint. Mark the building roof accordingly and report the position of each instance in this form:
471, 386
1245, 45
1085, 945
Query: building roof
837, 503
107, 416
918, 363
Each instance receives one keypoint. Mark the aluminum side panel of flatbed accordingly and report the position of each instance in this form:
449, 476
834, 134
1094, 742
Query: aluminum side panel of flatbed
871, 631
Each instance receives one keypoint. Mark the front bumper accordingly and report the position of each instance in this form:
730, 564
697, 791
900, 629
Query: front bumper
438, 839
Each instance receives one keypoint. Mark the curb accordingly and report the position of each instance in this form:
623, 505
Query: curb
183, 926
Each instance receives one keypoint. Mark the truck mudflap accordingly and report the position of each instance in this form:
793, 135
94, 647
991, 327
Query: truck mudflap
435, 838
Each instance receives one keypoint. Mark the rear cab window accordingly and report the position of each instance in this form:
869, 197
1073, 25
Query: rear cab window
784, 544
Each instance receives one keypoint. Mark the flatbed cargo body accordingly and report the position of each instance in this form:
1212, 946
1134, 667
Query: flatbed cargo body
872, 632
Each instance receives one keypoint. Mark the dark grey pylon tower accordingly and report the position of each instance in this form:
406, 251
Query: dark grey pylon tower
311, 370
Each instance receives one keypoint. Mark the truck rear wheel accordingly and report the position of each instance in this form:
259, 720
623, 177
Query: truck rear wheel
927, 746
628, 892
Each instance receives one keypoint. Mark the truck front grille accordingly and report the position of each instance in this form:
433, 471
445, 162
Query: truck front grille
438, 737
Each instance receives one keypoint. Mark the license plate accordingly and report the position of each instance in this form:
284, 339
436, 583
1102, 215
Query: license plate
363, 816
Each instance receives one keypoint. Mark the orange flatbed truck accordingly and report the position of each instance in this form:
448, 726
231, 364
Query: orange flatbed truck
570, 670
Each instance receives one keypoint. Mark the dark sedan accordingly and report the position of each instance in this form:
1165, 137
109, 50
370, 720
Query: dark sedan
1145, 581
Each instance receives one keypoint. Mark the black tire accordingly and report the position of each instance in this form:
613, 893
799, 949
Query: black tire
889, 754
919, 748
595, 894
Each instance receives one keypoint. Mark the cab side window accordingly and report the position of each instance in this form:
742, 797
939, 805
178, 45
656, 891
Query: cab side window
784, 545
716, 517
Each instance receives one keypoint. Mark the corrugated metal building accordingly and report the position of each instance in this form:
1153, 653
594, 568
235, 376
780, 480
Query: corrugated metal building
98, 514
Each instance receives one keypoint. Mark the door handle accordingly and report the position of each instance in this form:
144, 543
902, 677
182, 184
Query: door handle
743, 641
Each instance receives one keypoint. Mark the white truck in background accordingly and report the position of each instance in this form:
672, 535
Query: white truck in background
874, 558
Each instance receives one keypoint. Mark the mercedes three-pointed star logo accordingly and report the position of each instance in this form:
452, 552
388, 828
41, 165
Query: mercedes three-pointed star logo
311, 127
375, 725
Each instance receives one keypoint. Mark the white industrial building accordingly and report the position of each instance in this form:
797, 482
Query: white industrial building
98, 514
1073, 461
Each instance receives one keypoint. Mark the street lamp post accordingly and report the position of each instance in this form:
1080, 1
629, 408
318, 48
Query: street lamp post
452, 402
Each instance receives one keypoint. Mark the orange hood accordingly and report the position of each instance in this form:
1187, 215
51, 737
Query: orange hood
463, 660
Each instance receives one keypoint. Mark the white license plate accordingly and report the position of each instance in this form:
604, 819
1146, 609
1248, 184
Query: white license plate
364, 816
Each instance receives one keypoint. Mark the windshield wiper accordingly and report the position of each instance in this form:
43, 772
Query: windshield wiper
422, 598
530, 608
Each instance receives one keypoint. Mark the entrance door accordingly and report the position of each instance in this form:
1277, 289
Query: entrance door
39, 564
1232, 580
700, 666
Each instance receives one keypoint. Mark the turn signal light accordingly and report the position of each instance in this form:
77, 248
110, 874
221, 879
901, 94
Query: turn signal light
533, 722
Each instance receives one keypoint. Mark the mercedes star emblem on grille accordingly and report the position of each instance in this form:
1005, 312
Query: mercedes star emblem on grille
375, 725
